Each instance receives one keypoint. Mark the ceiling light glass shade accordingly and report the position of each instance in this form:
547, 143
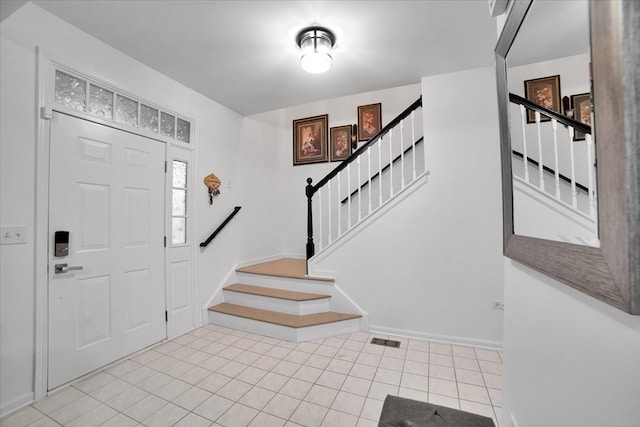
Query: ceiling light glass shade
316, 44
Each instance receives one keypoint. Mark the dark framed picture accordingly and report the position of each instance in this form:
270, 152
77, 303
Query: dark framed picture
369, 121
545, 92
310, 140
339, 143
581, 104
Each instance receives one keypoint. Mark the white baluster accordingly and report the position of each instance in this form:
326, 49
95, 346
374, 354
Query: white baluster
592, 207
390, 163
369, 175
330, 208
402, 153
358, 181
523, 114
379, 172
574, 194
540, 164
413, 141
349, 196
320, 218
554, 123
339, 208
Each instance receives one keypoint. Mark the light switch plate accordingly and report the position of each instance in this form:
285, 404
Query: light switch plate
13, 235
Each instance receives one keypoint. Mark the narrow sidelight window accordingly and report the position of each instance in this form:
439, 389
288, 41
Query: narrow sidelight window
179, 203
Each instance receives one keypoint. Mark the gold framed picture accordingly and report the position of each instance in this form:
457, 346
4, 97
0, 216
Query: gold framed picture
339, 143
369, 121
544, 92
310, 140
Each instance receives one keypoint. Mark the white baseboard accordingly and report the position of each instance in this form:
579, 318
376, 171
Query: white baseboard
259, 260
13, 405
449, 339
216, 297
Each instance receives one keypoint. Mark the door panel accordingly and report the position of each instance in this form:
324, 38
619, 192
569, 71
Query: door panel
107, 190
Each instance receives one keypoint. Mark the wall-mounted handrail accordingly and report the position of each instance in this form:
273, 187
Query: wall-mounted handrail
579, 126
219, 229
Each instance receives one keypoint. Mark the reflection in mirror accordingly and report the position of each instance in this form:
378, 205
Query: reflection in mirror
553, 157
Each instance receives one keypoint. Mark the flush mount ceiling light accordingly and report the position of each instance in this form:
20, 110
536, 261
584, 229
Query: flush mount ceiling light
316, 44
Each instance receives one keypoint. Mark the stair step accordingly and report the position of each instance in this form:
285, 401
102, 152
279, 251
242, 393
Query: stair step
275, 293
282, 319
283, 267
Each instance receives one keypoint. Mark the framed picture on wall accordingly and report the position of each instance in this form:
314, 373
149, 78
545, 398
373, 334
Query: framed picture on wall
339, 143
544, 92
369, 121
581, 104
310, 140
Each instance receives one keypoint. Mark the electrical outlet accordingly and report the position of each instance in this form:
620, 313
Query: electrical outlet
497, 305
13, 235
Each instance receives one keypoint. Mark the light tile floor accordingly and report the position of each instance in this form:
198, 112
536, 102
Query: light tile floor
215, 376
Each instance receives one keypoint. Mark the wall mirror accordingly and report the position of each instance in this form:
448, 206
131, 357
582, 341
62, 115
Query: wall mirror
553, 164
589, 52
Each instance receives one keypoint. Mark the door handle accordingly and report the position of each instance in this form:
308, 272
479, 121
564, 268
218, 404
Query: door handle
64, 268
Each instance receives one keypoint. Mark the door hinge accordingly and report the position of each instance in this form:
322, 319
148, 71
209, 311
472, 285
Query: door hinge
165, 166
166, 316
165, 241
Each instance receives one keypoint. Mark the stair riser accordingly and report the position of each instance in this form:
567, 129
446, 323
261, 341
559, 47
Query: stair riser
289, 284
284, 332
277, 304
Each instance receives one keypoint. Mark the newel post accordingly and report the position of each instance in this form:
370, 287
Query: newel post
310, 246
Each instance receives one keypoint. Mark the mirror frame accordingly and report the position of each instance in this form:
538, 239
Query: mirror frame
610, 273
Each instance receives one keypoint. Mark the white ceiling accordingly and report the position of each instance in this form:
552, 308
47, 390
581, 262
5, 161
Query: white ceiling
551, 30
242, 54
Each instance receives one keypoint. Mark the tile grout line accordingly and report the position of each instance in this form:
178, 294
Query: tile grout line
222, 335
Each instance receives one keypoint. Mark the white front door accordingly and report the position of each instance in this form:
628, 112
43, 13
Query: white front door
107, 191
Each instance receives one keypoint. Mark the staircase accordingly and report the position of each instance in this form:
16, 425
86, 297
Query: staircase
279, 300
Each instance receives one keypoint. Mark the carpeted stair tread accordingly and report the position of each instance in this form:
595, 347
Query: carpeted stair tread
283, 267
275, 293
283, 319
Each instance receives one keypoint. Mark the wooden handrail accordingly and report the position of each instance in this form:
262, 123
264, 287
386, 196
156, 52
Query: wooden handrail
311, 189
359, 151
219, 229
581, 127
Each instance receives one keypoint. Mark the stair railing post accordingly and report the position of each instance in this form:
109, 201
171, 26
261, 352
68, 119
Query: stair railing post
310, 246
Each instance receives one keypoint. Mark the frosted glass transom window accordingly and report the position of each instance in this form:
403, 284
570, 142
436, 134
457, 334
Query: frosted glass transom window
126, 111
148, 118
179, 203
168, 125
70, 91
107, 103
100, 102
183, 130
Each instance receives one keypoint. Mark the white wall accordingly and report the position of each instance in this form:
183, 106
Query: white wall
536, 214
569, 360
292, 209
432, 265
17, 170
218, 138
